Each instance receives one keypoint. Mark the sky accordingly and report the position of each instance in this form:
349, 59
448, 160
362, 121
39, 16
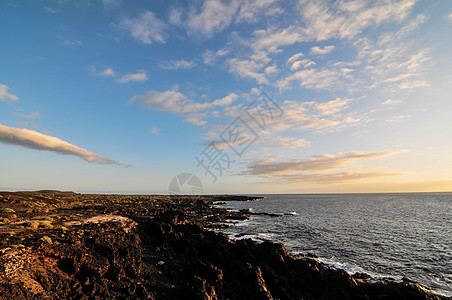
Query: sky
264, 96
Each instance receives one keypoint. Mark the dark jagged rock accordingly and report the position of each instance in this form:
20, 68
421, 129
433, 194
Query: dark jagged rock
157, 247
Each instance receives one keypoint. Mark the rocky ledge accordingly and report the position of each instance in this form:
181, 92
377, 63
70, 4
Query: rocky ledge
63, 245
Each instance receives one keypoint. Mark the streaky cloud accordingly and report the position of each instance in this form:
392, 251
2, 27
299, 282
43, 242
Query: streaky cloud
34, 140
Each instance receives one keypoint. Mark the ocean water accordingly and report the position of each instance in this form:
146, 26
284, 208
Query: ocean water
396, 235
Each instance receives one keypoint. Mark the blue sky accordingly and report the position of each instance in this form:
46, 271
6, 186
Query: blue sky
121, 96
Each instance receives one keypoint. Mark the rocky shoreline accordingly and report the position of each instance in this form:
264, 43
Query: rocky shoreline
64, 245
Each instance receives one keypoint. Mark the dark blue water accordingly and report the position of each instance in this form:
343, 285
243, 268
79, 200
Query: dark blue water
382, 234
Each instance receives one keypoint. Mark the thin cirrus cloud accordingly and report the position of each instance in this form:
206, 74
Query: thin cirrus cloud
332, 178
322, 51
4, 94
139, 77
313, 115
322, 22
210, 57
177, 64
29, 116
216, 15
177, 103
108, 72
34, 140
318, 168
147, 28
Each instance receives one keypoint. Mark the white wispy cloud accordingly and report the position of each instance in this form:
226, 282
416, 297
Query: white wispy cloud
29, 116
248, 68
177, 64
449, 16
50, 10
4, 94
314, 115
391, 60
388, 60
154, 130
322, 51
391, 102
251, 10
320, 168
34, 140
177, 103
348, 19
325, 78
69, 41
284, 142
108, 72
110, 3
147, 28
214, 16
398, 119
140, 77
294, 57
321, 21
305, 63
209, 56
334, 178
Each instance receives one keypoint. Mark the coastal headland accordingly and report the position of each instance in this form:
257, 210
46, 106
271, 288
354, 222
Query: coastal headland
65, 245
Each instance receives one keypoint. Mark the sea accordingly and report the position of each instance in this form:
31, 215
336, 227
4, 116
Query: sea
384, 235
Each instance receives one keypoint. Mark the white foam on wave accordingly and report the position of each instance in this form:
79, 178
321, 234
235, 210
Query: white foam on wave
349, 268
353, 269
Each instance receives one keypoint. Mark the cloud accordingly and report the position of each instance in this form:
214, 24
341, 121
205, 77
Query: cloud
214, 16
326, 78
270, 40
108, 72
177, 64
177, 103
248, 68
389, 60
306, 63
69, 41
110, 3
322, 51
398, 119
175, 17
154, 130
147, 28
284, 142
5, 95
314, 115
140, 77
345, 20
209, 57
250, 10
50, 10
449, 16
29, 116
392, 60
271, 69
323, 20
295, 57
332, 178
391, 102
34, 140
318, 168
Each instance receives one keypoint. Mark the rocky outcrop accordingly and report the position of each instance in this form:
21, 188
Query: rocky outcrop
161, 250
